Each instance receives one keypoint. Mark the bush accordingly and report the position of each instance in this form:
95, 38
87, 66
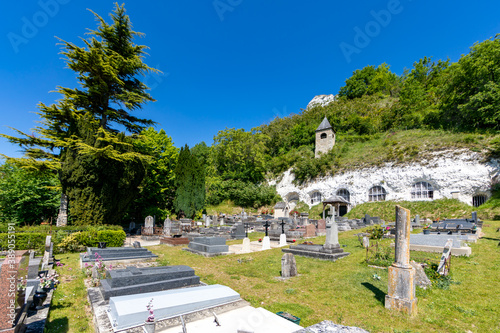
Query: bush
91, 238
376, 232
25, 241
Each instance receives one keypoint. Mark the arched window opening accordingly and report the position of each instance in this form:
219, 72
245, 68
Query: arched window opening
315, 197
478, 200
377, 193
343, 193
422, 190
323, 136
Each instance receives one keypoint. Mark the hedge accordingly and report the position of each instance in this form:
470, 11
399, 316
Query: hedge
24, 241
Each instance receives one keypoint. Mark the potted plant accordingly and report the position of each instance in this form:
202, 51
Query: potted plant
149, 324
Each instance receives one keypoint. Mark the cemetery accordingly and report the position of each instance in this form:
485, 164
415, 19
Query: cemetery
359, 225
190, 292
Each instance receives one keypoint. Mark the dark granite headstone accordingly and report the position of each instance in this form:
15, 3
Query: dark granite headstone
208, 246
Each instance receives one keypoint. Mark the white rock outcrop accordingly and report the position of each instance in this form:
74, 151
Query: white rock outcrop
321, 100
452, 174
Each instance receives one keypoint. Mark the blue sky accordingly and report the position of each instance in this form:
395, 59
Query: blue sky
232, 63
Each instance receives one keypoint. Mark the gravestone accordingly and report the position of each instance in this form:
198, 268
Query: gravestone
133, 280
288, 265
238, 231
283, 240
167, 227
367, 219
474, 217
131, 226
421, 278
246, 245
310, 231
444, 263
366, 242
137, 245
321, 225
148, 226
417, 219
401, 285
208, 246
266, 242
331, 250
47, 255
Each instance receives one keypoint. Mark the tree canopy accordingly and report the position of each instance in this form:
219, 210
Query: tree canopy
80, 135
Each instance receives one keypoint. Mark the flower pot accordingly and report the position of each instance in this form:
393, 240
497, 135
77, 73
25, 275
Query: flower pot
39, 298
149, 326
427, 231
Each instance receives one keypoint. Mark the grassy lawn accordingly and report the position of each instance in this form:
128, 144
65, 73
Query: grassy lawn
344, 291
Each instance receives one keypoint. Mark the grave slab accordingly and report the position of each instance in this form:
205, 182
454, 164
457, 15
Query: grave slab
130, 311
436, 243
133, 280
208, 246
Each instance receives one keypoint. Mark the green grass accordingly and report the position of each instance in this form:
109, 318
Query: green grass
346, 291
70, 310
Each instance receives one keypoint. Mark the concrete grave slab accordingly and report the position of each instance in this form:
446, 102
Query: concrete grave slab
130, 311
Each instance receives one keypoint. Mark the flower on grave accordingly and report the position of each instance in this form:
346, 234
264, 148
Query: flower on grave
293, 240
387, 228
151, 316
376, 277
260, 239
21, 285
46, 281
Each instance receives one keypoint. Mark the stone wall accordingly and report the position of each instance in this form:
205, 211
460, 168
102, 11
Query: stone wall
448, 172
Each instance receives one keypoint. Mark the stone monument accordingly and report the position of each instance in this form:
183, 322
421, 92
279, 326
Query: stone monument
149, 225
401, 296
167, 227
266, 242
288, 265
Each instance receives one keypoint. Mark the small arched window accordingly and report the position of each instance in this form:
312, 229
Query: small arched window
315, 197
377, 193
343, 193
323, 136
478, 200
422, 190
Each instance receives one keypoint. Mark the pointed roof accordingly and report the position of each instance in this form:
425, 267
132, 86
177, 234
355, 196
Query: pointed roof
325, 124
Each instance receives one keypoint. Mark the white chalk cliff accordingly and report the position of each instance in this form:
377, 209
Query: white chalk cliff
453, 174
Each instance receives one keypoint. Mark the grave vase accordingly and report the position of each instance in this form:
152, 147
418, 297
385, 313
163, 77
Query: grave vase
149, 326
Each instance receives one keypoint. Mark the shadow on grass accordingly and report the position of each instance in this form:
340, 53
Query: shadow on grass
489, 238
378, 294
57, 325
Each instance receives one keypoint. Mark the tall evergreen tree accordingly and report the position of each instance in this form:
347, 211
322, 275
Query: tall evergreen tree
189, 183
98, 167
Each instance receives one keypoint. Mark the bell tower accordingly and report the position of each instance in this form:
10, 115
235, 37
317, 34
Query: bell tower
325, 138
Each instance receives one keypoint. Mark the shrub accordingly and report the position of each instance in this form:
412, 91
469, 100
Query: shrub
91, 238
24, 241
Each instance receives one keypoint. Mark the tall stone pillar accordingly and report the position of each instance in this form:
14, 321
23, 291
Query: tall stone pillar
401, 294
62, 217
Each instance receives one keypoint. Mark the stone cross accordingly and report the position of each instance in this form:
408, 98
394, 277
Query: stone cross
267, 225
282, 226
401, 295
246, 229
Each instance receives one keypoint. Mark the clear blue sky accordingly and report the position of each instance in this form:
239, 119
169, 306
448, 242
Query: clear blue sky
232, 63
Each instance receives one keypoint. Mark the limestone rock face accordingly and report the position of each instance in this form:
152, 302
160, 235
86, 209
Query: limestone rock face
321, 100
452, 173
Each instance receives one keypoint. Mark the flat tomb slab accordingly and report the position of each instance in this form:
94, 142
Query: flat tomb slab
133, 280
247, 319
316, 254
130, 311
116, 253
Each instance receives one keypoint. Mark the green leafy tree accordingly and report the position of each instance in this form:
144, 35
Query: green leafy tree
239, 155
370, 81
471, 97
189, 184
27, 196
157, 189
79, 136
